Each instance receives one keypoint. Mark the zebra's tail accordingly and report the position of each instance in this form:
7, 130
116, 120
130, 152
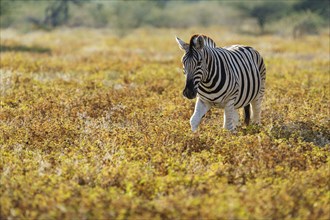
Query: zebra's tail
247, 114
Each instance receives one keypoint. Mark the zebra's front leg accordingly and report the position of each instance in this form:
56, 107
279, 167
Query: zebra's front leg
200, 110
236, 121
230, 116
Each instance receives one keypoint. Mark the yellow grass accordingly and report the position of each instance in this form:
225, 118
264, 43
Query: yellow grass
94, 126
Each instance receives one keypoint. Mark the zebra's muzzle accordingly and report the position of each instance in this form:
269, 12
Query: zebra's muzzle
189, 94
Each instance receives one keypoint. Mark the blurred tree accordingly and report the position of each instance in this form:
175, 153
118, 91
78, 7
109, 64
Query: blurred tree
162, 3
57, 13
5, 6
265, 11
99, 14
321, 7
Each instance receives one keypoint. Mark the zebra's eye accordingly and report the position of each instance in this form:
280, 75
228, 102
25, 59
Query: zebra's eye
199, 62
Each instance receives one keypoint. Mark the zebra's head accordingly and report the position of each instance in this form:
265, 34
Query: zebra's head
193, 64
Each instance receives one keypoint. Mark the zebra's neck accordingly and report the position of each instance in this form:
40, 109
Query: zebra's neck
215, 75
210, 62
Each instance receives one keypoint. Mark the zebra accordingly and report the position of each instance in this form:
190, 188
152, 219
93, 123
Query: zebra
223, 77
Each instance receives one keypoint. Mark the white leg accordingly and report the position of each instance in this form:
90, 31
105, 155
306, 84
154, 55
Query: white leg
229, 116
200, 110
256, 104
256, 110
236, 121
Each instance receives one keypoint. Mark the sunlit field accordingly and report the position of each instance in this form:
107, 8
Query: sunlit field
94, 126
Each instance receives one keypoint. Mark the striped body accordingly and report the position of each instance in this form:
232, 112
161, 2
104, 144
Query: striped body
229, 78
233, 73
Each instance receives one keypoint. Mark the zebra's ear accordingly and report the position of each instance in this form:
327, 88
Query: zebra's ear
182, 45
199, 42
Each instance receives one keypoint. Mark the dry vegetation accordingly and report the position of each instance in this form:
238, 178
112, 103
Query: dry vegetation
94, 126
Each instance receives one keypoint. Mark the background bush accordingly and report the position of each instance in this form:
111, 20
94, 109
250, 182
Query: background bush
301, 16
298, 24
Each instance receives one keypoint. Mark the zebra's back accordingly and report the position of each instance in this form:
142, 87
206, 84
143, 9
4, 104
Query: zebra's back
249, 68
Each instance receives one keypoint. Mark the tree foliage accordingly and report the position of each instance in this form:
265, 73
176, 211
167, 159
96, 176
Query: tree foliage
266, 12
4, 7
56, 13
321, 7
160, 13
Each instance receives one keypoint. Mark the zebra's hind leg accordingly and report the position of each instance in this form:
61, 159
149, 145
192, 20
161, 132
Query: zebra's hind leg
256, 109
247, 114
230, 112
256, 103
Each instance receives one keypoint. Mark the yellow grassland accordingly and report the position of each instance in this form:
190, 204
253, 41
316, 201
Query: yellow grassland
94, 126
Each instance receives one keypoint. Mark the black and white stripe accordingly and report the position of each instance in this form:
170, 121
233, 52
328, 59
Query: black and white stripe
231, 77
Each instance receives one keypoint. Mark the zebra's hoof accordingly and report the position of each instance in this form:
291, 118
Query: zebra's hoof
194, 129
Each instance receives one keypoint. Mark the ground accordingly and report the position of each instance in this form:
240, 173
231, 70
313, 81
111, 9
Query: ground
94, 126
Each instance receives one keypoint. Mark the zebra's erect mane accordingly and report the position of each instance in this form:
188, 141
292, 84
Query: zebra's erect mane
208, 42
